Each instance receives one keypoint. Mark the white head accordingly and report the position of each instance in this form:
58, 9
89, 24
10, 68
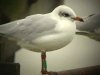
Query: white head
65, 12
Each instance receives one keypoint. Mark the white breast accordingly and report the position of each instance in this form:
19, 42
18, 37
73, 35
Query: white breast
66, 31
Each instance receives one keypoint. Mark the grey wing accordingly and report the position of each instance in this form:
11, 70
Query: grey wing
90, 35
90, 28
29, 28
90, 24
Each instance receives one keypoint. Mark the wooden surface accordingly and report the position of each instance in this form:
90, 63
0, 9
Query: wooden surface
94, 70
9, 69
7, 50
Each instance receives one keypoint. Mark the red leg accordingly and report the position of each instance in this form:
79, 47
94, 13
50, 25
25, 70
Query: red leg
44, 64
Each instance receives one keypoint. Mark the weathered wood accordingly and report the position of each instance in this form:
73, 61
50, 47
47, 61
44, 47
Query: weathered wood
7, 50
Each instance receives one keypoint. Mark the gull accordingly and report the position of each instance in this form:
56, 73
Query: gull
90, 28
49, 31
43, 32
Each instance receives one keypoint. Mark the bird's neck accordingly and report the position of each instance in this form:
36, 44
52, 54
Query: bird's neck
55, 16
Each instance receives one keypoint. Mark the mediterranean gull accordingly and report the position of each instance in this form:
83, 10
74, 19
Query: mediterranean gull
43, 32
49, 31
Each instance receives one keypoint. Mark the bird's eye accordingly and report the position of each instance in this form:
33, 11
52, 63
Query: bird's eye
66, 15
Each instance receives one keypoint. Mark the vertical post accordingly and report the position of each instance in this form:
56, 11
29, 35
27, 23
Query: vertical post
44, 63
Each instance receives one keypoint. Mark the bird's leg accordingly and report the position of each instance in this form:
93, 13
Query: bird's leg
44, 63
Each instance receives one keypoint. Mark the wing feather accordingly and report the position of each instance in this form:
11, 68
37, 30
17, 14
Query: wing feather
29, 28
